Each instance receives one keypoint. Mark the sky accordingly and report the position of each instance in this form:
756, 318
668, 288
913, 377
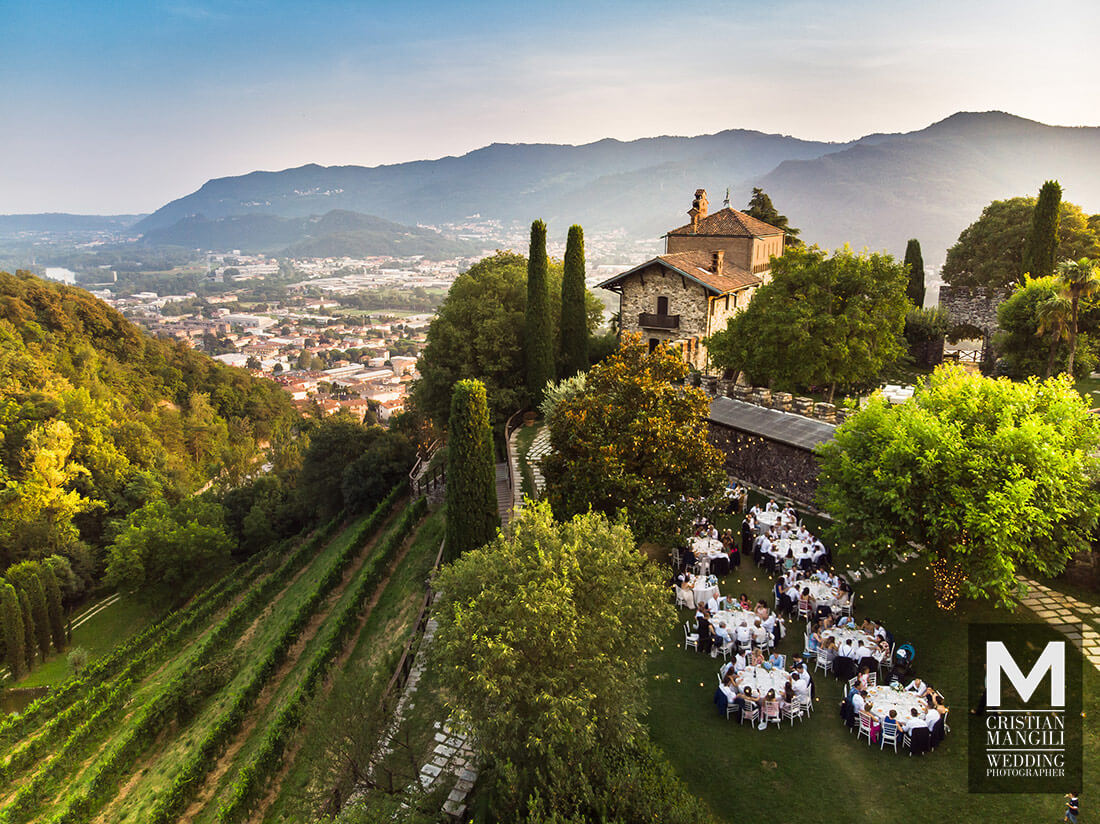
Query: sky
120, 106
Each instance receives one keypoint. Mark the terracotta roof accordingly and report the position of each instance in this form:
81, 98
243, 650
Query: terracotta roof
696, 265
729, 223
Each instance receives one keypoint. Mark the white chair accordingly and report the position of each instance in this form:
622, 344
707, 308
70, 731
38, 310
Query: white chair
890, 734
691, 639
681, 599
772, 715
866, 720
794, 710
872, 679
823, 661
804, 609
846, 609
806, 703
751, 712
726, 648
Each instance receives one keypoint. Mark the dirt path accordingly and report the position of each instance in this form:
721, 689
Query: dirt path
276, 780
225, 762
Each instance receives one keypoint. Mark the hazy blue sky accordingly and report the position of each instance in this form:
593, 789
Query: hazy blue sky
121, 106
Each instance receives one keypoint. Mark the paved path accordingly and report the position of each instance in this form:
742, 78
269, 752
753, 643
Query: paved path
1077, 620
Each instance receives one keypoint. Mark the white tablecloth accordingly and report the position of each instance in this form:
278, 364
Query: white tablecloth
821, 592
884, 698
762, 680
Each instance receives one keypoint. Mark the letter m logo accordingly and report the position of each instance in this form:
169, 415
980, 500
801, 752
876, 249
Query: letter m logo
999, 661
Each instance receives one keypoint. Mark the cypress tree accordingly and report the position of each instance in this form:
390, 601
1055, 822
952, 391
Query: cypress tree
54, 607
11, 617
574, 317
472, 517
538, 345
29, 643
915, 261
1041, 244
25, 576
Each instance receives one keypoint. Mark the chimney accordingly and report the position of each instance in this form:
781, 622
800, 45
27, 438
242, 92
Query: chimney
698, 210
716, 259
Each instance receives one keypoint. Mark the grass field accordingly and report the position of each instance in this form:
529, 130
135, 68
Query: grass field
817, 771
98, 635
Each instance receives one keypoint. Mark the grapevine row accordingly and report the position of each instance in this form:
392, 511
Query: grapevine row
249, 784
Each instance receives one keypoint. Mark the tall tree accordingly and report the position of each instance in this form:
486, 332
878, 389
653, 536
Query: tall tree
634, 440
990, 251
574, 314
30, 635
972, 471
11, 619
1041, 244
1054, 318
472, 516
915, 261
25, 577
821, 321
54, 608
538, 340
541, 647
1079, 278
761, 207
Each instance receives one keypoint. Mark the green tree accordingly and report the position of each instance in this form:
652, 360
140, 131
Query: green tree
925, 330
988, 477
54, 608
574, 316
1054, 319
1079, 278
472, 516
820, 322
541, 649
25, 576
538, 337
1041, 243
634, 440
990, 252
478, 332
761, 207
1029, 341
11, 620
166, 552
30, 633
914, 261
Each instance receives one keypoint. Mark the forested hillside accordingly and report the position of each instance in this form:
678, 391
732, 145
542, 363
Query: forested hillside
98, 419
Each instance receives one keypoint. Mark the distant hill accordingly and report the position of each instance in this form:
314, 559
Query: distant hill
58, 223
334, 234
98, 418
876, 191
933, 183
639, 185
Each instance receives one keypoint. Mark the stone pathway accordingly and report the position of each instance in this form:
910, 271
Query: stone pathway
540, 448
1077, 620
504, 495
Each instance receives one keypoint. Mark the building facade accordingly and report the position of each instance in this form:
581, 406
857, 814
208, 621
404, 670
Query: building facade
709, 271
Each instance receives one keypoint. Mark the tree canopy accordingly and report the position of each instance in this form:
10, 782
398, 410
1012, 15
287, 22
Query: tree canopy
541, 650
914, 260
573, 337
761, 207
634, 440
479, 333
820, 322
990, 251
1041, 243
538, 335
989, 477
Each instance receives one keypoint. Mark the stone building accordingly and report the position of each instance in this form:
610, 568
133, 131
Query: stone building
709, 272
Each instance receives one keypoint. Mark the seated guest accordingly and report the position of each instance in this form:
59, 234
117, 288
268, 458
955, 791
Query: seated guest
789, 562
799, 684
722, 635
712, 604
787, 697
759, 634
917, 686
762, 610
743, 635
757, 658
772, 506
744, 603
913, 721
931, 717
776, 660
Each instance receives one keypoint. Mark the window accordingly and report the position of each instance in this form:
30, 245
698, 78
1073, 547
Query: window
662, 306
653, 343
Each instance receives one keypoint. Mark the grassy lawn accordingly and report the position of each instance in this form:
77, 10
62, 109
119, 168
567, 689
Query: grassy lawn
98, 635
817, 771
1090, 388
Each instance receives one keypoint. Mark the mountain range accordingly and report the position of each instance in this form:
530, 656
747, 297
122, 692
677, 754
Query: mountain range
874, 192
334, 234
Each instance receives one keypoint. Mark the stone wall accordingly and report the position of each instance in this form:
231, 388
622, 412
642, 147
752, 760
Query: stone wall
787, 470
973, 306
